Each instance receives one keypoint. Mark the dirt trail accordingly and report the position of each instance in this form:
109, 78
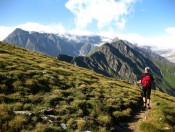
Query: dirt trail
133, 125
141, 116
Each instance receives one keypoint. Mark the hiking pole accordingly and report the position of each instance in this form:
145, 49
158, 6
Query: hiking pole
135, 83
140, 92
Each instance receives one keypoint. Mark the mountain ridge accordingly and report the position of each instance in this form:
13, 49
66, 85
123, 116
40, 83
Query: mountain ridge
54, 44
120, 60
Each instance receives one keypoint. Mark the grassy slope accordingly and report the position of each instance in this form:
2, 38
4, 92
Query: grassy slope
162, 116
81, 98
168, 70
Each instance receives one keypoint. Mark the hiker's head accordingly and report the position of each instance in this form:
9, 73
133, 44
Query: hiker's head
147, 69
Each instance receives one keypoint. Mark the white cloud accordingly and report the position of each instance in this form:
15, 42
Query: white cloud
121, 24
31, 26
105, 12
5, 31
170, 30
80, 32
51, 28
158, 42
110, 33
166, 41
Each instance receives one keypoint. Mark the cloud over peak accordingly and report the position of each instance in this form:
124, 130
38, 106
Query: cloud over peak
50, 28
104, 12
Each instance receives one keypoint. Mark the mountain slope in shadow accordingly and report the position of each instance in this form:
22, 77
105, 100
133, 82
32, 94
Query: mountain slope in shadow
122, 61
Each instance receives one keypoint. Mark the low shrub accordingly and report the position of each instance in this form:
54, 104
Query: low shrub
81, 124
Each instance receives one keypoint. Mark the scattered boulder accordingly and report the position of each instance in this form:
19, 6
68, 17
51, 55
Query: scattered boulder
27, 113
63, 125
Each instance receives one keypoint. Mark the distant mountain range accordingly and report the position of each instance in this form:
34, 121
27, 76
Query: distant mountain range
169, 54
54, 44
116, 58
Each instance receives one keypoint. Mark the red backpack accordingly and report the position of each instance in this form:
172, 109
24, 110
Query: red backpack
146, 81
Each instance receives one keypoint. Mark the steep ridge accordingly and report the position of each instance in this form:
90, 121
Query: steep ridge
148, 53
115, 59
53, 44
121, 60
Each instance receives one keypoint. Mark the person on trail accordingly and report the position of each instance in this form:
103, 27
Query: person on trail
146, 80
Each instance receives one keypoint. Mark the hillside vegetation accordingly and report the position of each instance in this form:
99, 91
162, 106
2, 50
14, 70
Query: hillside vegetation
41, 93
168, 72
161, 117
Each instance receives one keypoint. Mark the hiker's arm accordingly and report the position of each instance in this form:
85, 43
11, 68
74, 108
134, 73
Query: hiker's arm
138, 82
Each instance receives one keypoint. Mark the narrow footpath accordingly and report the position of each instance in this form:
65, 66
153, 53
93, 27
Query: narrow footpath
133, 125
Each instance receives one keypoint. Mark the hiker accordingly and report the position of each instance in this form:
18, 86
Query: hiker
146, 80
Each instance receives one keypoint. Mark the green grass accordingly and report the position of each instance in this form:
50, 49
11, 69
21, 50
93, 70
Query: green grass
162, 116
168, 71
82, 99
167, 84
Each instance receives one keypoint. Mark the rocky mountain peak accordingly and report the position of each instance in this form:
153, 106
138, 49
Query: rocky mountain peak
54, 44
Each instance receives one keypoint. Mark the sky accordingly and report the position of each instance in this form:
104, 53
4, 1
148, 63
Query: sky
142, 22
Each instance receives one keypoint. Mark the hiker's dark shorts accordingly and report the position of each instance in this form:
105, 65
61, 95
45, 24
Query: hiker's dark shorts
146, 92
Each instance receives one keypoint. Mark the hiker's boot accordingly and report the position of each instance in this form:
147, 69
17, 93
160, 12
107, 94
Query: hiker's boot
148, 106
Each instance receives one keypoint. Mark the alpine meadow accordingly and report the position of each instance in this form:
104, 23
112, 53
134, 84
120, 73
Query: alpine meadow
87, 66
41, 93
